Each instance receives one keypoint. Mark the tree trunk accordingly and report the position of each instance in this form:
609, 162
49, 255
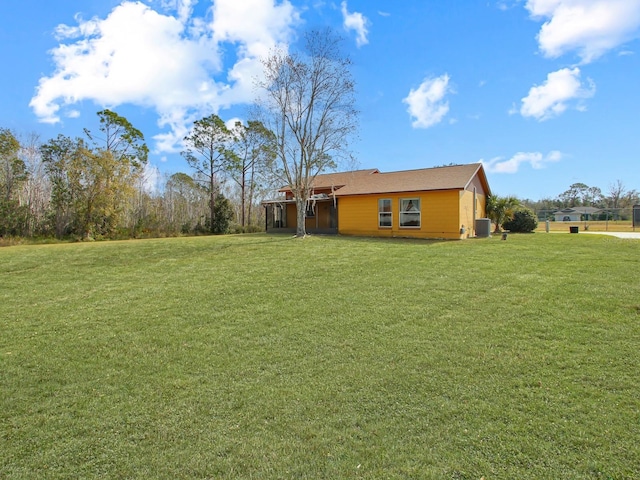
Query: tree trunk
212, 203
301, 208
251, 189
242, 195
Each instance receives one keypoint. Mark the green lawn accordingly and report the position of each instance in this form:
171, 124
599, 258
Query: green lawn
268, 357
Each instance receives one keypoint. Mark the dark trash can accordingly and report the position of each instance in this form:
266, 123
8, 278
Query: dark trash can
573, 229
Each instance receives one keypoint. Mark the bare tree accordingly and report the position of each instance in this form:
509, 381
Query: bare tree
307, 100
186, 202
253, 152
36, 191
617, 191
13, 175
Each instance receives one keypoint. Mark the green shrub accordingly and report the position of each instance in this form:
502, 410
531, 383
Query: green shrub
253, 229
523, 221
236, 228
223, 215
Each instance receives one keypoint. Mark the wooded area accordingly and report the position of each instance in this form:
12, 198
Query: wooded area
98, 187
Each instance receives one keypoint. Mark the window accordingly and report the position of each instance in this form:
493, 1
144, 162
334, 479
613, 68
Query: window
410, 212
384, 213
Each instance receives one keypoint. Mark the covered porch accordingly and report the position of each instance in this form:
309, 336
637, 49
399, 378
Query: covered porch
321, 216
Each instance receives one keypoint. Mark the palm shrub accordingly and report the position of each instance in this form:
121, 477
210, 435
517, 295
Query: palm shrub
501, 209
524, 220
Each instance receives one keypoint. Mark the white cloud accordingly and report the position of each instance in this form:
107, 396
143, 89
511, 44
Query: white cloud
554, 96
184, 8
505, 5
427, 104
588, 27
536, 159
357, 22
171, 63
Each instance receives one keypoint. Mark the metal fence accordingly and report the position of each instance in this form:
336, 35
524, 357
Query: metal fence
601, 215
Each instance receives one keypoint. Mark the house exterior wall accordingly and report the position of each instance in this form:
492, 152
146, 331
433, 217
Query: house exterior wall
439, 215
567, 217
466, 213
292, 219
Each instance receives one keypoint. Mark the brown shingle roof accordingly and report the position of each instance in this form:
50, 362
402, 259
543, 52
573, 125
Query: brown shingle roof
362, 182
341, 179
455, 177
338, 179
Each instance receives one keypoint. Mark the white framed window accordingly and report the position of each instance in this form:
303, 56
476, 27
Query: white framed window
385, 219
410, 212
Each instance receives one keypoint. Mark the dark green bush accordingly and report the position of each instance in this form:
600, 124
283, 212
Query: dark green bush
523, 221
223, 215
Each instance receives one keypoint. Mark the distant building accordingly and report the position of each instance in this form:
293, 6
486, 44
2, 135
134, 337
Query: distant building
575, 214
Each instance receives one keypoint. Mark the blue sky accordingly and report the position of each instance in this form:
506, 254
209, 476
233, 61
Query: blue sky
543, 92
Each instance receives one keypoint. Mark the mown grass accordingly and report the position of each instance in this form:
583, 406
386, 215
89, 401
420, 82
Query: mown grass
267, 357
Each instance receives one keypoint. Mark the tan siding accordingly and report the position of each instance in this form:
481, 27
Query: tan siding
440, 215
466, 212
292, 219
323, 210
358, 215
482, 206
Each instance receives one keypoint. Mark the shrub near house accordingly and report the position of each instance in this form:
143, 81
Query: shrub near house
523, 221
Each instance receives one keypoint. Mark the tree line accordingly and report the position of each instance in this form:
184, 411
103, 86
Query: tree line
96, 186
616, 202
518, 215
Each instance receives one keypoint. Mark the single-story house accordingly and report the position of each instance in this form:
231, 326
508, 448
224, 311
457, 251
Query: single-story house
440, 202
575, 214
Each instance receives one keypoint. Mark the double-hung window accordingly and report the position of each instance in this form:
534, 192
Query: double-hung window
385, 219
410, 212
